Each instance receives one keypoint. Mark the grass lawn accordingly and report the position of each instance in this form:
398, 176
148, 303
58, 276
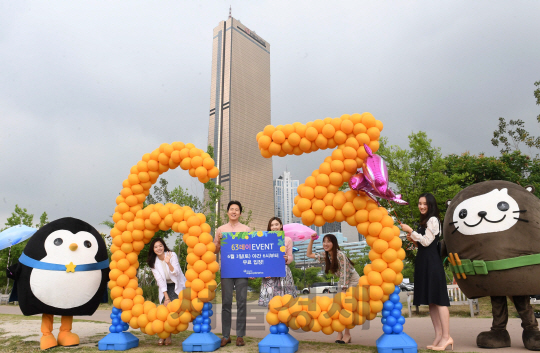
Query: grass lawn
148, 344
251, 296
464, 311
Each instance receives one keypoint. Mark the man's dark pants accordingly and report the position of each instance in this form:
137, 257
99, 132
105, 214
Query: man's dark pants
227, 287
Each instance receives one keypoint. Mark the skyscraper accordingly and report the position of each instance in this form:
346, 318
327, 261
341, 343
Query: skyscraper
284, 194
239, 109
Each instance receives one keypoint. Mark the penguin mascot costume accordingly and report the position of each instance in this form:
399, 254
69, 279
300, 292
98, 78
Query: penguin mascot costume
63, 270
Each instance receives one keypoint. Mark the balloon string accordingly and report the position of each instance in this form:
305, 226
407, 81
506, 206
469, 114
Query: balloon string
394, 210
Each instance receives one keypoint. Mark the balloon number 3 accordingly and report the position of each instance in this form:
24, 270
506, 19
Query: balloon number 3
320, 201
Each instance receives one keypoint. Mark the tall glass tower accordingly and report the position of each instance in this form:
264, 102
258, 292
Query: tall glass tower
239, 109
284, 194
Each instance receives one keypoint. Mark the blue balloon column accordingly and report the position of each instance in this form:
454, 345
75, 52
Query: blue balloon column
118, 339
202, 340
278, 341
394, 340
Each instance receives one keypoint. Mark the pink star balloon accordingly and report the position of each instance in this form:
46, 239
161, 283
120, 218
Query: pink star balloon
374, 180
375, 171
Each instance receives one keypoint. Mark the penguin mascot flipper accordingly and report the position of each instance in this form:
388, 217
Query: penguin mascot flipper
13, 272
64, 271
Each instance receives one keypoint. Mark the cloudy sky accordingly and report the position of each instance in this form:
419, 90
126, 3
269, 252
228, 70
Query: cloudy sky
88, 87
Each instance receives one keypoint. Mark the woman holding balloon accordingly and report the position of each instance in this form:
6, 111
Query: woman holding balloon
429, 276
272, 286
337, 263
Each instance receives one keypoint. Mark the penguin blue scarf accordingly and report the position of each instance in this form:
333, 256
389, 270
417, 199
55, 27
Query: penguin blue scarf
27, 261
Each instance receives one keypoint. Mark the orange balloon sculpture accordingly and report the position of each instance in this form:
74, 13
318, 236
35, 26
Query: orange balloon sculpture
319, 201
134, 226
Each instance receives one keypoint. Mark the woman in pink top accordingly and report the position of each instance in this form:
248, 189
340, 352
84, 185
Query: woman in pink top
272, 286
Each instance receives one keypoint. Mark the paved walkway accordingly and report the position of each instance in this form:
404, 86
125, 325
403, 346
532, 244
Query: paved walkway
463, 330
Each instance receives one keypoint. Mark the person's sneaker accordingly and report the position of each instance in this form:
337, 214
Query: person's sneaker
240, 341
225, 341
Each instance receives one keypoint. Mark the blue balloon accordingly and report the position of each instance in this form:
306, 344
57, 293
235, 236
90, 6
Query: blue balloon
197, 328
388, 305
282, 328
398, 306
394, 298
119, 328
205, 306
116, 311
115, 321
209, 306
387, 329
396, 313
397, 290
205, 314
385, 313
15, 235
273, 329
205, 328
125, 327
113, 316
206, 321
112, 329
383, 320
398, 328
391, 321
401, 320
210, 312
199, 319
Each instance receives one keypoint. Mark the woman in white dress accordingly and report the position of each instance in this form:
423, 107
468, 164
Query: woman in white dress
169, 277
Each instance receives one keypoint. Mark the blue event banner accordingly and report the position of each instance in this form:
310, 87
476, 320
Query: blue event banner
252, 254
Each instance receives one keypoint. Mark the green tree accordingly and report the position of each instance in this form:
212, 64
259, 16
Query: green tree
537, 96
509, 136
514, 167
19, 216
414, 171
10, 255
43, 219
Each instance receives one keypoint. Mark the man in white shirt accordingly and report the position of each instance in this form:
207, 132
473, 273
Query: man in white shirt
228, 285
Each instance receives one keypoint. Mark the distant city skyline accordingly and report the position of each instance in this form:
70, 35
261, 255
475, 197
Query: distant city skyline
285, 190
239, 109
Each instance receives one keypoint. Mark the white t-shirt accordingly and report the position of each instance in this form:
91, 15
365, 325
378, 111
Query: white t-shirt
166, 271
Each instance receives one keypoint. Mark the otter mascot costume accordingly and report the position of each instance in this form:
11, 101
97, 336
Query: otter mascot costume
64, 271
492, 239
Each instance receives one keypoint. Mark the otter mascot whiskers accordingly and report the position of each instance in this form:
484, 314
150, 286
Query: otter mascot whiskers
63, 271
492, 239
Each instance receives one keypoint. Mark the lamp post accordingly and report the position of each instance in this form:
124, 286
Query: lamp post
305, 271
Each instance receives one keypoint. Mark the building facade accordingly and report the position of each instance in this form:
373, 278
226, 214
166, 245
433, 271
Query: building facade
284, 194
239, 109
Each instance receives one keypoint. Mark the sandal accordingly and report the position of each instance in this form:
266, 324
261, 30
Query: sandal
168, 341
160, 342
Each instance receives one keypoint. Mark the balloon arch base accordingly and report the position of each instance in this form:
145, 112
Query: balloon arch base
201, 342
278, 341
118, 339
396, 343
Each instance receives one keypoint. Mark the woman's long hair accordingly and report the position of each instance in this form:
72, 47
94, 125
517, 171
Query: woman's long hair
332, 265
151, 259
274, 219
432, 211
